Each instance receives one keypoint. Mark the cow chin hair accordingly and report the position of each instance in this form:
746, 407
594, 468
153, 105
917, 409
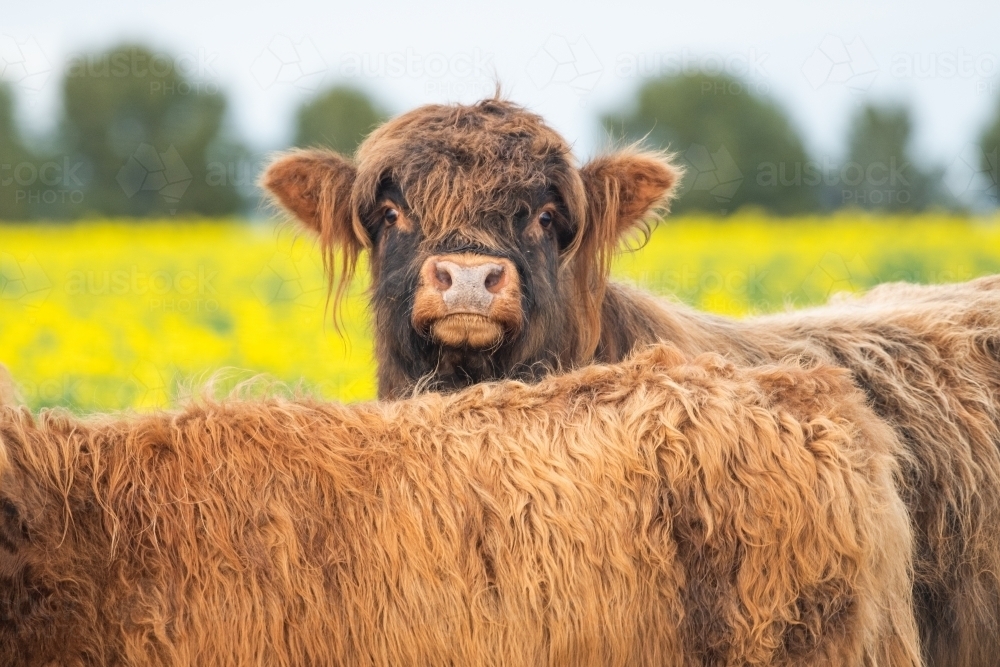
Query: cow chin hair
420, 364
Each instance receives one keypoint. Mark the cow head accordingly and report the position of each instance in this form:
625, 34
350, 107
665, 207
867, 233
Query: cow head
488, 247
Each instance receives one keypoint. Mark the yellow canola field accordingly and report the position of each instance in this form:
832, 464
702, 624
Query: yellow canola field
109, 315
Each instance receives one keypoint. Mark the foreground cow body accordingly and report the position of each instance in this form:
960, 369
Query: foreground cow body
651, 513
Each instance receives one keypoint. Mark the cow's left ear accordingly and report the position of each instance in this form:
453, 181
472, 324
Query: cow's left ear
625, 188
622, 190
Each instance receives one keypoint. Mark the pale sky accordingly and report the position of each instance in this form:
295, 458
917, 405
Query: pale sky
568, 61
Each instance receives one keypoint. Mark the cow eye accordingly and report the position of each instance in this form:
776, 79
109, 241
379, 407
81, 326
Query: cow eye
390, 216
545, 219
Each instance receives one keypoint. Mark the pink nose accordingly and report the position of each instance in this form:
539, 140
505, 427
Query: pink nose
468, 300
467, 286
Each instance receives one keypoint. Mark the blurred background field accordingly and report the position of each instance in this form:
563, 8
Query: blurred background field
826, 147
110, 315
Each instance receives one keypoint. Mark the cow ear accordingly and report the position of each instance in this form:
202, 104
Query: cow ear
315, 186
626, 189
623, 190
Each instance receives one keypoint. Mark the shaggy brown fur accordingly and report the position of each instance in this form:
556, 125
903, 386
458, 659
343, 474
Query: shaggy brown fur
929, 360
928, 357
657, 512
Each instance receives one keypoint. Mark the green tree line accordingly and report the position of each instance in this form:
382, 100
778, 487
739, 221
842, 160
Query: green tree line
136, 138
133, 140
739, 148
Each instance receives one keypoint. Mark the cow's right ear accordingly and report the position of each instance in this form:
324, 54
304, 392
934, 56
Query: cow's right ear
315, 186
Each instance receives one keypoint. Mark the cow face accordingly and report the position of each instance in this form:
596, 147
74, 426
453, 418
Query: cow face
487, 246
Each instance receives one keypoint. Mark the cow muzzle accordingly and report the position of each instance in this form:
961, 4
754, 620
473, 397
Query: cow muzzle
467, 300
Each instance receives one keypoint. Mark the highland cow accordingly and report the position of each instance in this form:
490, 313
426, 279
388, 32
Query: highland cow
658, 512
490, 253
488, 247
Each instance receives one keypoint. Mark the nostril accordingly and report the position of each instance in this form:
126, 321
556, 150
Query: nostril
443, 278
493, 278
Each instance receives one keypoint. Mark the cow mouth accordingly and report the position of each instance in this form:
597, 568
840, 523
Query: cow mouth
466, 330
